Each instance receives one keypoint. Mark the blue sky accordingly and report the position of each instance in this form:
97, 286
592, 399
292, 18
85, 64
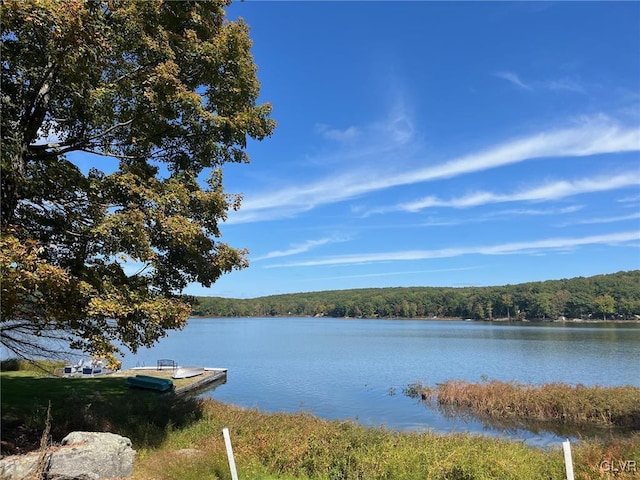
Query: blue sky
439, 144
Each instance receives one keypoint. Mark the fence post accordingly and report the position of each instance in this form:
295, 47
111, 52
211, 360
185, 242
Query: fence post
232, 462
566, 446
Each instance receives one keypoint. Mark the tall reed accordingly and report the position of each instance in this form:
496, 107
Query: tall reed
557, 402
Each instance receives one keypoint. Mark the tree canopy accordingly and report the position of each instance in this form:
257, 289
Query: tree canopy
117, 117
611, 296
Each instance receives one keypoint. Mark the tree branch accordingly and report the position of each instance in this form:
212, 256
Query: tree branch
36, 111
128, 74
110, 129
109, 154
77, 144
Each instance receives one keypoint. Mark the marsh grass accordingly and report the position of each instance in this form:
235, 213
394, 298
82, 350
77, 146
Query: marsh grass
555, 402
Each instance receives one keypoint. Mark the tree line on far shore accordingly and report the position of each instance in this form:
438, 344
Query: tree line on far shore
605, 297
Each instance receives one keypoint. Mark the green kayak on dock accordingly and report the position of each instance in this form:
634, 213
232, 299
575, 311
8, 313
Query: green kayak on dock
150, 383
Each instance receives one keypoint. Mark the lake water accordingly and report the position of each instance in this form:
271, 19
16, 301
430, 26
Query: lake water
357, 368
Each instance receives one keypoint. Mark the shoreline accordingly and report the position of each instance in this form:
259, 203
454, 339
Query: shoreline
289, 430
437, 319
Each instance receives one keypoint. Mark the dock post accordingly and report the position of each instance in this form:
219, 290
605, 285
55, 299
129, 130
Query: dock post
232, 462
568, 462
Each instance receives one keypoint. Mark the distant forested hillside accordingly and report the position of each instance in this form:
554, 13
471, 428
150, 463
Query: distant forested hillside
612, 297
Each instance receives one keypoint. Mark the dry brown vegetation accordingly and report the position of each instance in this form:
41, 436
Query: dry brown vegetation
557, 402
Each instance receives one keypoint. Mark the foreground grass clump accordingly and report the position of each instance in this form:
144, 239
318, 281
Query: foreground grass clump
305, 447
556, 402
301, 446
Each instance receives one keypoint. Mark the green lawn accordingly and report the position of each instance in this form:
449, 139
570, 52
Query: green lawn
101, 403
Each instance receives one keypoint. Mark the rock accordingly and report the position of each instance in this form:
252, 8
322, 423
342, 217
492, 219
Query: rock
82, 456
18, 467
92, 456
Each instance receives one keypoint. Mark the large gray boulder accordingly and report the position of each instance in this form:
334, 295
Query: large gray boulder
92, 456
82, 456
18, 467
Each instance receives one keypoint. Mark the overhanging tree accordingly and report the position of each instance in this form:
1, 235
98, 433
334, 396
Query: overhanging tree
158, 95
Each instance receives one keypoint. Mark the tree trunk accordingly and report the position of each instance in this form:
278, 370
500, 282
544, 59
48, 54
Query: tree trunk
32, 118
10, 180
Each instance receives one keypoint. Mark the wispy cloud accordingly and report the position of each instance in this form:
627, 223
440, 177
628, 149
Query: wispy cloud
535, 211
545, 192
299, 248
594, 221
513, 78
346, 134
595, 135
499, 215
630, 199
362, 145
401, 272
529, 248
563, 84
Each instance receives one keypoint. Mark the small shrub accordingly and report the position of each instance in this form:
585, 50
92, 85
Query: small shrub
10, 365
40, 367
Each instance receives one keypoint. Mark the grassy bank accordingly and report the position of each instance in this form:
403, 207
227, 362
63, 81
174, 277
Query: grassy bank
301, 446
555, 402
181, 438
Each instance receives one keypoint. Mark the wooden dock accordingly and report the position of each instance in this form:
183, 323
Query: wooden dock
209, 378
